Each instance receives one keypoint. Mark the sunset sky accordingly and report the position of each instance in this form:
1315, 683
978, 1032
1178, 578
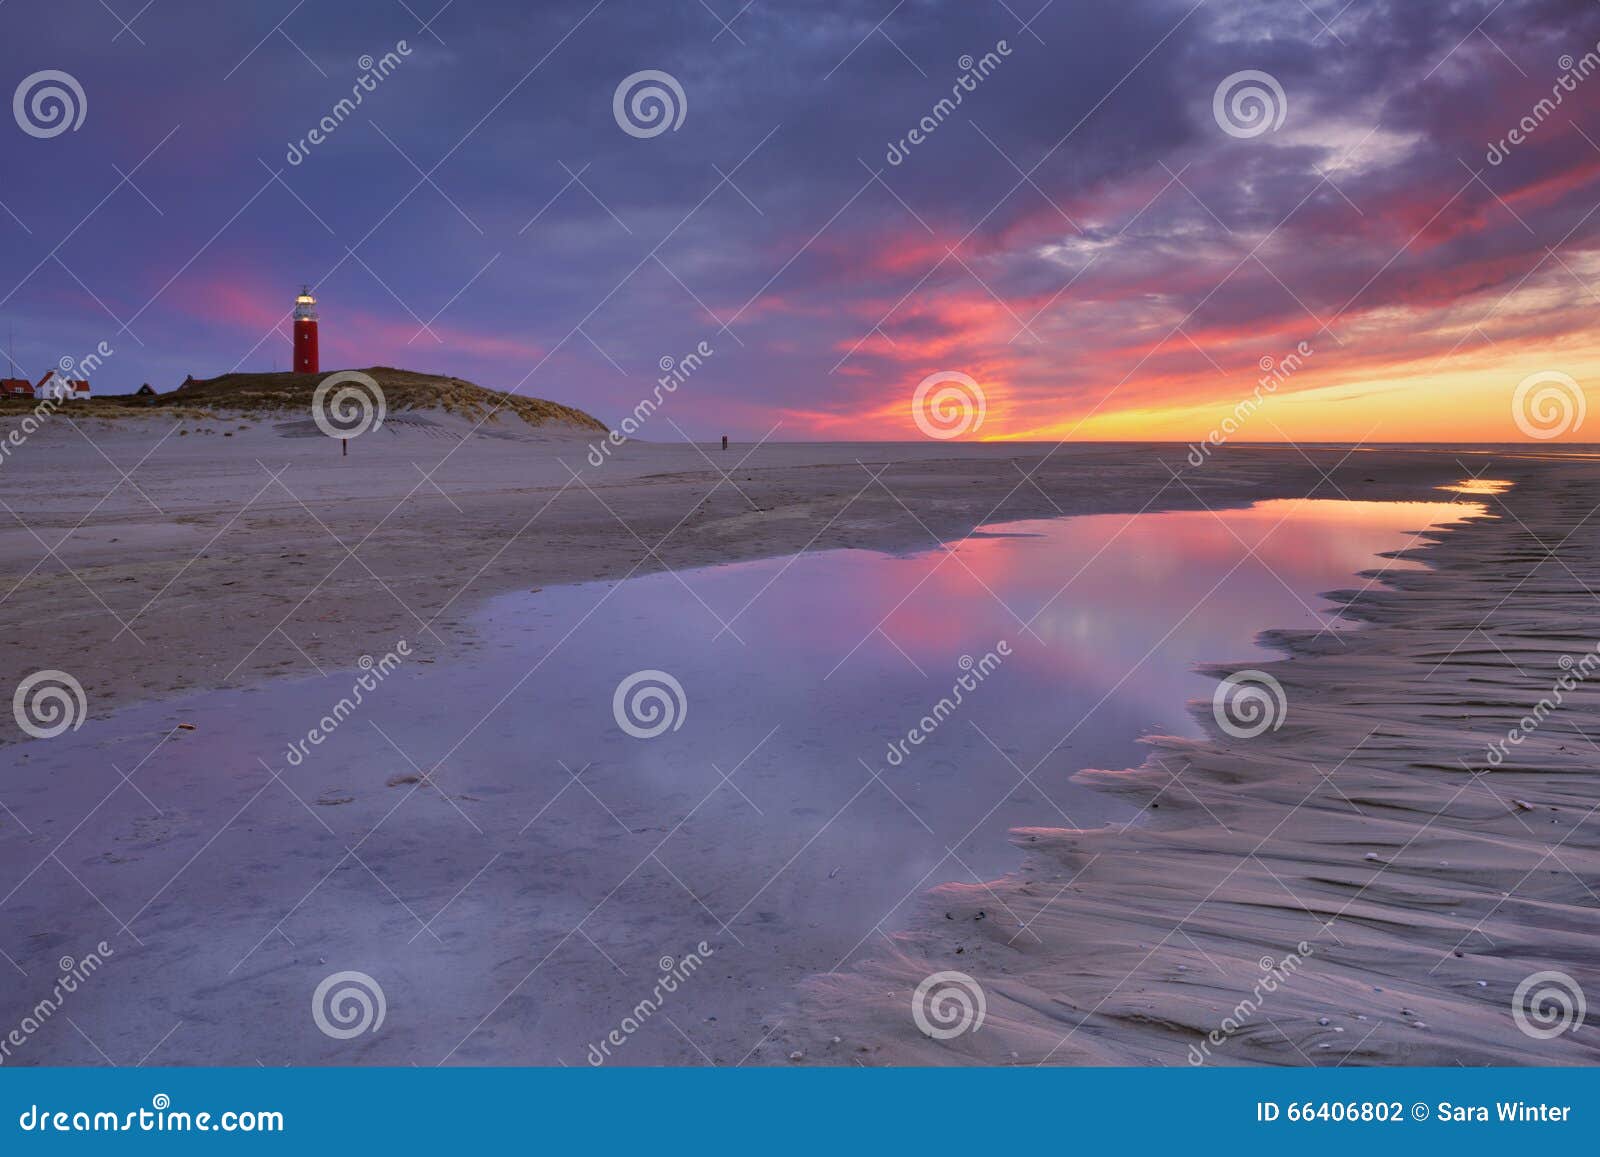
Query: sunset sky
1080, 235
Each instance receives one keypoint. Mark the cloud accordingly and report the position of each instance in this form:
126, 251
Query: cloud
1077, 232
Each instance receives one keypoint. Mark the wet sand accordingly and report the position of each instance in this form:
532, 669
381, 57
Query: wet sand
1366, 884
230, 552
223, 562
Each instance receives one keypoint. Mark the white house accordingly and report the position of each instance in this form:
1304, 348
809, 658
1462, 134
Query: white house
54, 387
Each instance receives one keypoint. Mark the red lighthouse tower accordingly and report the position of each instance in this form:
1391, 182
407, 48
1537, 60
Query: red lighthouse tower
305, 332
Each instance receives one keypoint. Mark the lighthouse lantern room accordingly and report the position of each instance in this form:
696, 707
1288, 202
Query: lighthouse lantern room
305, 332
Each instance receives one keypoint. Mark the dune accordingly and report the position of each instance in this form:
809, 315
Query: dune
281, 395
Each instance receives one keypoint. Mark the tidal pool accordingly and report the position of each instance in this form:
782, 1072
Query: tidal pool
760, 768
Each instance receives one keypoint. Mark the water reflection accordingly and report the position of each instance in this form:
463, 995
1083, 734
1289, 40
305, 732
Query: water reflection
1488, 486
815, 788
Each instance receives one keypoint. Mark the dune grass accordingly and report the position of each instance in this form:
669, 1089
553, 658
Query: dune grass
289, 395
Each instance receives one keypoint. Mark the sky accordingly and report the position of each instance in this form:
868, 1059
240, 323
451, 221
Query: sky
1098, 236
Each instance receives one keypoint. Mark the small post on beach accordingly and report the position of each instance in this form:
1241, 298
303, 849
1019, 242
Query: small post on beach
724, 441
344, 447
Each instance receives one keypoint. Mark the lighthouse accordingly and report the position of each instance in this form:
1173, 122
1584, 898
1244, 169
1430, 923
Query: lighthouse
305, 332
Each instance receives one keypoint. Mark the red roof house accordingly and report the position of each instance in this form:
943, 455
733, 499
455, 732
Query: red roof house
61, 389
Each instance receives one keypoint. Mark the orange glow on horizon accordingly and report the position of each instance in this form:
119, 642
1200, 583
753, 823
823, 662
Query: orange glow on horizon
1406, 404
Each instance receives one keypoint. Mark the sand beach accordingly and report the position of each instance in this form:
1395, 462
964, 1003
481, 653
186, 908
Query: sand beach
1364, 855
